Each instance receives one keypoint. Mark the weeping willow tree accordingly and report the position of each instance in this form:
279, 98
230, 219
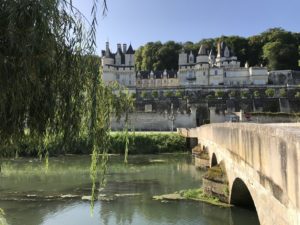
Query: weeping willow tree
51, 82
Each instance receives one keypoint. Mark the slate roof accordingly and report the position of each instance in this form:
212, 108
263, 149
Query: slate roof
130, 50
202, 50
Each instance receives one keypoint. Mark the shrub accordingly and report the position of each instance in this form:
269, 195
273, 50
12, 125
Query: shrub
219, 94
244, 94
133, 95
270, 92
282, 92
154, 94
179, 94
209, 97
144, 94
232, 94
148, 143
256, 94
168, 94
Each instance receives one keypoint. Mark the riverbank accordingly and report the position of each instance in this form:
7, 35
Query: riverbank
139, 143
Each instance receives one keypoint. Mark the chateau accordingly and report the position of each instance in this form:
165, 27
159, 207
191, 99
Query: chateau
204, 69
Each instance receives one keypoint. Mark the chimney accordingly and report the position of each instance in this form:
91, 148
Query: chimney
107, 48
124, 48
119, 47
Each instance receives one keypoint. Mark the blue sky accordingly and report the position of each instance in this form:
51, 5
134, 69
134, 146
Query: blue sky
142, 21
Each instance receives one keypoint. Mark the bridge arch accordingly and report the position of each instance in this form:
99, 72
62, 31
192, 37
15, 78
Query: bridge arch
240, 195
214, 160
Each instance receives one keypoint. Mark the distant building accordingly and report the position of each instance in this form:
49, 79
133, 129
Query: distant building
221, 69
119, 66
204, 69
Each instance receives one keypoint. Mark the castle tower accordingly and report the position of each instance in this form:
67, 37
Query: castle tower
129, 56
191, 58
182, 59
107, 57
119, 55
124, 48
202, 55
226, 52
211, 57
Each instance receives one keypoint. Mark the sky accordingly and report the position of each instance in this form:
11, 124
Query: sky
141, 21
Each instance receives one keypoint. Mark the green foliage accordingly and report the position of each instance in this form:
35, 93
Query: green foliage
179, 94
276, 48
244, 94
154, 94
2, 212
51, 83
270, 92
148, 143
133, 95
232, 94
168, 94
144, 94
219, 94
191, 193
210, 97
256, 94
282, 92
297, 95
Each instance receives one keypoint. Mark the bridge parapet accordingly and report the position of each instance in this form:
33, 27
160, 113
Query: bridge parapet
270, 151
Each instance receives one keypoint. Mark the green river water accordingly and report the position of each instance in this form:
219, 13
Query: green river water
29, 196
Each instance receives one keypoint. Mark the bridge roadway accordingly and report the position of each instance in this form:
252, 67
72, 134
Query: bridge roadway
262, 165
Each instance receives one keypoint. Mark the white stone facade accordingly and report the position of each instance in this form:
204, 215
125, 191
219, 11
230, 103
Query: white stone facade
119, 67
221, 70
205, 69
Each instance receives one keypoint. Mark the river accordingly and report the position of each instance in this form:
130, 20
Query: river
31, 196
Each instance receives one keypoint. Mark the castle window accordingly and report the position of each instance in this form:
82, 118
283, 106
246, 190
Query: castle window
204, 73
216, 72
224, 74
117, 76
123, 68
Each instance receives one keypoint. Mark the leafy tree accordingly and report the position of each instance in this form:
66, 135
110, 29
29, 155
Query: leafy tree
238, 46
51, 84
255, 51
275, 48
280, 55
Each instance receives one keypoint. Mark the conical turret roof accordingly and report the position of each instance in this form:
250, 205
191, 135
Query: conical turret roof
202, 50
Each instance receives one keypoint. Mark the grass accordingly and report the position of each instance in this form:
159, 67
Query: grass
192, 194
215, 173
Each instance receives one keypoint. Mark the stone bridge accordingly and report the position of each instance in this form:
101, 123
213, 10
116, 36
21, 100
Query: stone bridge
261, 163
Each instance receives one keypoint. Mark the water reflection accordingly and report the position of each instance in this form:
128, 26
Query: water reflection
145, 175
